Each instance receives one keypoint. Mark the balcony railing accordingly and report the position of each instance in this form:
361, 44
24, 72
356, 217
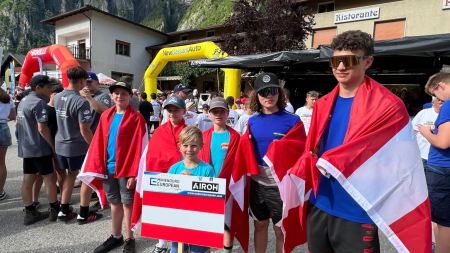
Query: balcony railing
80, 52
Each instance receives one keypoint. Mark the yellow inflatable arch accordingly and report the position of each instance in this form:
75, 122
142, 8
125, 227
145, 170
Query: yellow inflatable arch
232, 82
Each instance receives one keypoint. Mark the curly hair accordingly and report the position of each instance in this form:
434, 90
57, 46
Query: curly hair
257, 107
354, 40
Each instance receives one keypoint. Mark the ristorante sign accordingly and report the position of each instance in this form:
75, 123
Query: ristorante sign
357, 15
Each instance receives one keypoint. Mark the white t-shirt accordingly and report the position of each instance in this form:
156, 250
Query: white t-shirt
241, 125
289, 107
190, 118
305, 115
240, 112
156, 110
204, 121
233, 117
424, 117
5, 109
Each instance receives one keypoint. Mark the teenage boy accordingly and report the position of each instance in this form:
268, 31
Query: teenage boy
36, 147
113, 157
73, 117
305, 112
233, 116
221, 142
437, 169
191, 142
154, 119
204, 121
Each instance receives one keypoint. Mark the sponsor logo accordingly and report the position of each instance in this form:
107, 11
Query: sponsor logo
165, 182
184, 50
204, 186
38, 51
266, 78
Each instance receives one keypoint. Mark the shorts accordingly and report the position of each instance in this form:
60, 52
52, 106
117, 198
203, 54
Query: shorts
265, 202
38, 165
72, 163
5, 135
116, 190
189, 248
438, 182
327, 234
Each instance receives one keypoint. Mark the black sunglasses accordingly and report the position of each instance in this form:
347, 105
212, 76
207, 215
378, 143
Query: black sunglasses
268, 91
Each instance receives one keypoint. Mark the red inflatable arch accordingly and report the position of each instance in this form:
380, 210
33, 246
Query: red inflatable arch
57, 54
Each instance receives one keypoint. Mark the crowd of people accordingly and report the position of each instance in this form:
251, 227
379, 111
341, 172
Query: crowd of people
105, 139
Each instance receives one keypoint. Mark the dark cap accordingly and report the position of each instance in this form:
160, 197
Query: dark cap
40, 80
176, 101
205, 106
218, 102
265, 80
123, 85
92, 76
182, 87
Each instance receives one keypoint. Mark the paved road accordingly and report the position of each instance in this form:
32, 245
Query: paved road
60, 237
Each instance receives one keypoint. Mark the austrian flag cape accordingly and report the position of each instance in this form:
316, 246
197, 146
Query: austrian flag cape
161, 152
132, 137
378, 164
227, 166
281, 156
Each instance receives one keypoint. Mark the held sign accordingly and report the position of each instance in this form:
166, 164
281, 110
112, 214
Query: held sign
186, 209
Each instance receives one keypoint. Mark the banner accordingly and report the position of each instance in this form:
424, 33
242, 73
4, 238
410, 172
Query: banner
187, 209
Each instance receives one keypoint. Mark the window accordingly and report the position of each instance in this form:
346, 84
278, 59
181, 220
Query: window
122, 48
117, 75
210, 33
388, 30
323, 36
184, 37
325, 7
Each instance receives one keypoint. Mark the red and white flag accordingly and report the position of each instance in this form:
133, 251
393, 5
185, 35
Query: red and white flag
378, 164
184, 209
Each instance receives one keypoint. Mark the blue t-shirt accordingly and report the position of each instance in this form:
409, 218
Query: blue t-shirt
265, 128
436, 156
219, 147
111, 149
331, 196
201, 170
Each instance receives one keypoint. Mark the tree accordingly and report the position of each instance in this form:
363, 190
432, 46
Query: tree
263, 26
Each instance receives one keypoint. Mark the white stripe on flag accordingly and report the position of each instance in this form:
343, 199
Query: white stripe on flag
390, 184
171, 217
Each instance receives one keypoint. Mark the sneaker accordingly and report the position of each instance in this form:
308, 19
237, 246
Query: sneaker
3, 195
130, 246
36, 204
34, 216
110, 244
95, 207
66, 217
53, 214
93, 216
159, 249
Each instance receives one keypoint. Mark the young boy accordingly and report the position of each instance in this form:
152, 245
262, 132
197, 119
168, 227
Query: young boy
203, 120
305, 112
191, 142
113, 157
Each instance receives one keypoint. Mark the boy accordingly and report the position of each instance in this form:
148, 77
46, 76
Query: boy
113, 157
221, 143
191, 142
203, 120
305, 112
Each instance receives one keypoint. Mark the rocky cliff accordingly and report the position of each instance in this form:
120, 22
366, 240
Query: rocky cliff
21, 29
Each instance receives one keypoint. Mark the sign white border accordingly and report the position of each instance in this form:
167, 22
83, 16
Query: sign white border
357, 15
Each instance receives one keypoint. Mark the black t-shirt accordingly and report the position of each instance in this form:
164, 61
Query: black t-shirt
146, 109
52, 120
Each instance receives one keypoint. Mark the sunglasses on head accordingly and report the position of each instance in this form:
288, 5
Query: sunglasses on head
268, 91
348, 60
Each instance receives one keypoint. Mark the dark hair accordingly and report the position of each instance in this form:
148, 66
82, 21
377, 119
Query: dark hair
230, 101
354, 40
287, 93
256, 106
153, 96
4, 97
126, 79
57, 88
144, 95
76, 74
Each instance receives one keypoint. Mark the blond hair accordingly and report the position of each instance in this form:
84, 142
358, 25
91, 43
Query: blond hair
191, 134
312, 94
435, 80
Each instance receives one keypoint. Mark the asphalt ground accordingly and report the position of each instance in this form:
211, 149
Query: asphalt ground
59, 237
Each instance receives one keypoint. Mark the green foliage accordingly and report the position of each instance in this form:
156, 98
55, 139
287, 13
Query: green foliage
188, 74
204, 13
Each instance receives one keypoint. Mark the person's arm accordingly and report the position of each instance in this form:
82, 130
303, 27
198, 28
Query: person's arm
44, 131
12, 114
440, 140
96, 105
85, 129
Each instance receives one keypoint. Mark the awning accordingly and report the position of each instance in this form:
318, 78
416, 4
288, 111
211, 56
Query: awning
276, 59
